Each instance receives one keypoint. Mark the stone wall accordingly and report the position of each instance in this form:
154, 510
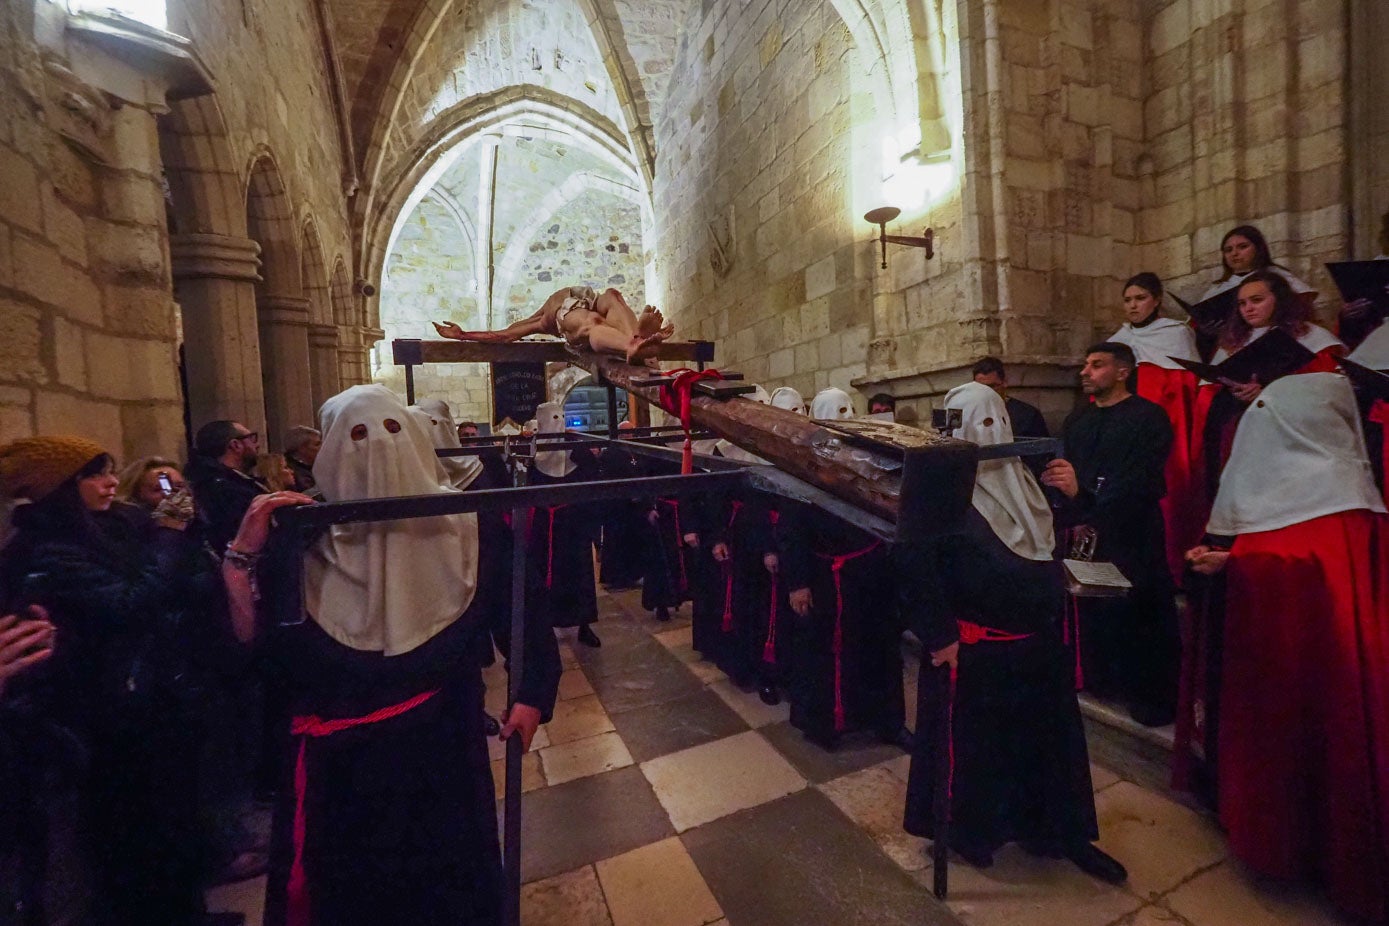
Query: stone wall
1246, 122
595, 241
756, 243
431, 277
86, 293
86, 318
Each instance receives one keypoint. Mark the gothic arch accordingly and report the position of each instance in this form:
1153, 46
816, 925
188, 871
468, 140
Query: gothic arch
204, 179
605, 27
270, 223
541, 112
314, 274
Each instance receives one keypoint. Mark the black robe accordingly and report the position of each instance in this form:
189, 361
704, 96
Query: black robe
1129, 645
624, 524
399, 814
751, 616
559, 559
1021, 768
847, 656
669, 566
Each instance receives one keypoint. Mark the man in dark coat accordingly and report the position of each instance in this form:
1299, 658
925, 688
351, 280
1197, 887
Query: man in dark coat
1112, 476
220, 473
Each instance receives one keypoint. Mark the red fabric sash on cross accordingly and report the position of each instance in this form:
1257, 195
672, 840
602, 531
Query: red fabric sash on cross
971, 633
314, 727
837, 647
675, 398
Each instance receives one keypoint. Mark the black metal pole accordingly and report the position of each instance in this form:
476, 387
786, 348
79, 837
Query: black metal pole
612, 411
515, 666
409, 384
945, 773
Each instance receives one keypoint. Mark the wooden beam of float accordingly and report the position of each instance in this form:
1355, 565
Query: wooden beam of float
918, 480
413, 352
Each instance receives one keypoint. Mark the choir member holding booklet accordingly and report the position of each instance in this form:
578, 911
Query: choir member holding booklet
1303, 727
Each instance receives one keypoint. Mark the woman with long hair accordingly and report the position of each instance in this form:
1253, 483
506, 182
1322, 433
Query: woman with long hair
1158, 342
1266, 301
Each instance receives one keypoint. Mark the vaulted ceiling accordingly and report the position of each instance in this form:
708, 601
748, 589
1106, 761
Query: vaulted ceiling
386, 46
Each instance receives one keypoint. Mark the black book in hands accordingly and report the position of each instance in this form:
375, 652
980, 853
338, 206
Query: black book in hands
1362, 279
1210, 314
1265, 359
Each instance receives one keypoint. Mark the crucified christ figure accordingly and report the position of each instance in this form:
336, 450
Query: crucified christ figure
604, 323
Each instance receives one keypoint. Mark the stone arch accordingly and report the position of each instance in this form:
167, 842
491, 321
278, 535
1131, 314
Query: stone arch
203, 176
282, 310
560, 380
604, 24
540, 111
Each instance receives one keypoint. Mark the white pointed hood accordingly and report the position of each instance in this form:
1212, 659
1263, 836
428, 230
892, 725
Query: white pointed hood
731, 450
549, 421
461, 471
1005, 492
389, 586
1298, 454
784, 397
831, 405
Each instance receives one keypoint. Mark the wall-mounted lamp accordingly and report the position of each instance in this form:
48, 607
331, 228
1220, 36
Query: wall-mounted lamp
884, 214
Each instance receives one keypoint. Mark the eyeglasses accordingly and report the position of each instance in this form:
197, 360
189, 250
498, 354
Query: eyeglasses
251, 436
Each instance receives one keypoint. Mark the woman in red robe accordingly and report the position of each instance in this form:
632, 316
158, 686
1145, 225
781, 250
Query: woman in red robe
1155, 341
1304, 695
1266, 301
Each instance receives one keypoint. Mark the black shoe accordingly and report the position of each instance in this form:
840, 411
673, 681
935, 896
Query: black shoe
1097, 863
769, 695
974, 856
223, 919
662, 614
588, 638
901, 737
490, 726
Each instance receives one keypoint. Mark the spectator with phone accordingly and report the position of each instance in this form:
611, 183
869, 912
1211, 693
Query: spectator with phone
118, 685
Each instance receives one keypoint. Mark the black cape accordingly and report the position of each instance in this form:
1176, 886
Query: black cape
1021, 769
847, 656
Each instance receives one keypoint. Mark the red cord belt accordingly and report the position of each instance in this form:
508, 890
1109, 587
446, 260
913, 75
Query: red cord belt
314, 727
837, 647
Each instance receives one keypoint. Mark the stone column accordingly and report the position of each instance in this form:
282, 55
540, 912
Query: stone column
351, 356
285, 369
323, 363
215, 278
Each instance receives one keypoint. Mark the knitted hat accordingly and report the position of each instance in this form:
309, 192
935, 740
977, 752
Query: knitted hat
32, 467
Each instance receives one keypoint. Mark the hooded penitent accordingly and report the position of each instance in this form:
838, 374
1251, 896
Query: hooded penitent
1005, 492
784, 397
444, 433
549, 422
831, 405
387, 586
1299, 454
731, 450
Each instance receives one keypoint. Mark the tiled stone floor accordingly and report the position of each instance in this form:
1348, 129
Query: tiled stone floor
661, 795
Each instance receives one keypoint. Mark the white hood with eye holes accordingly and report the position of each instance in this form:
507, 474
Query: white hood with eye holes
549, 422
389, 586
444, 432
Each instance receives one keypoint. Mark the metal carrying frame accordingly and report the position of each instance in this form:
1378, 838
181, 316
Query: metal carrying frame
716, 474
